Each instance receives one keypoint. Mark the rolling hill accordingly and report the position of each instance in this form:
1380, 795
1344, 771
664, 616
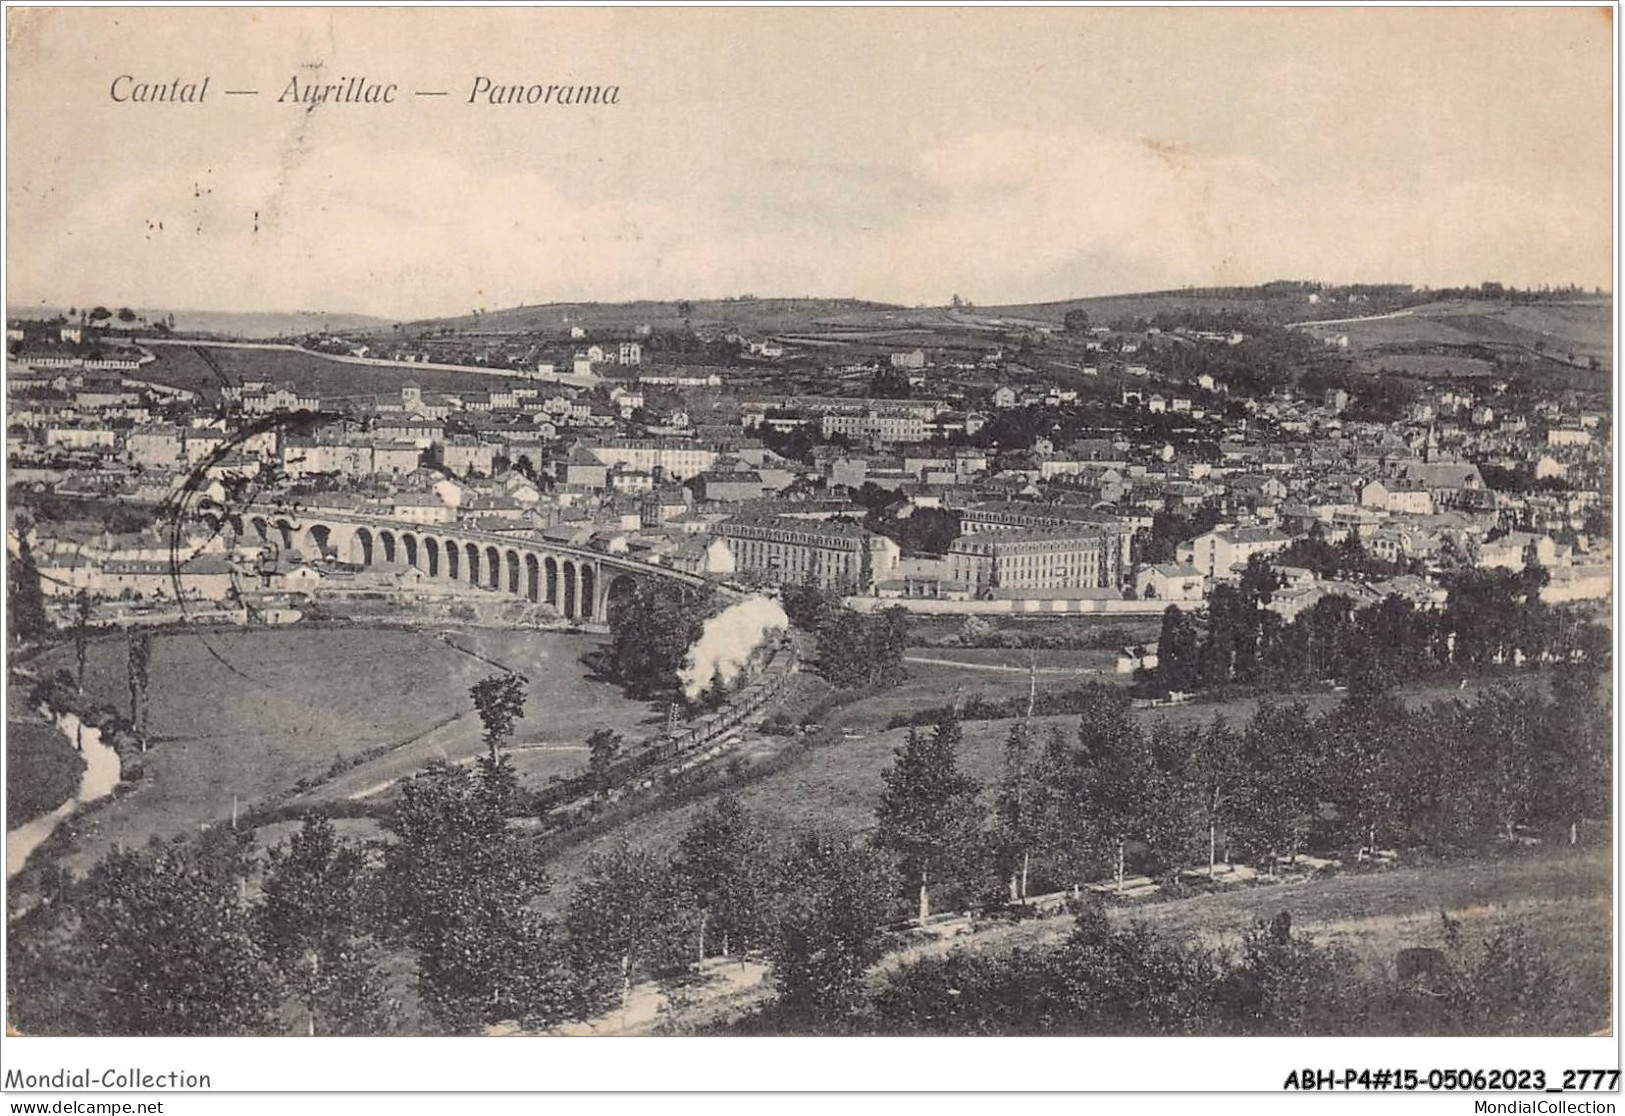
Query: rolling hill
765, 315
1447, 336
247, 326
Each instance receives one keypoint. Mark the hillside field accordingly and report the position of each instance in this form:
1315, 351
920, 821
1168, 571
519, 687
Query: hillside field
308, 373
1567, 332
838, 783
252, 713
761, 314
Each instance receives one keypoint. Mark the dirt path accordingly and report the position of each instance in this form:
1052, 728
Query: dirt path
1001, 667
1373, 913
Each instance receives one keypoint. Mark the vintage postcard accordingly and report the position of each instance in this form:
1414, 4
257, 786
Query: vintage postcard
868, 522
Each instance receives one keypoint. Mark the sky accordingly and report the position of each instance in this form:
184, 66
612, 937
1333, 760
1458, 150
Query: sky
901, 155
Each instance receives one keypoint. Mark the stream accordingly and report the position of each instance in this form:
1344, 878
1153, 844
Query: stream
100, 776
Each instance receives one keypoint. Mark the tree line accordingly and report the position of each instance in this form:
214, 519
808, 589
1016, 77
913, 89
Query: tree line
1109, 980
855, 650
1111, 799
1489, 618
309, 937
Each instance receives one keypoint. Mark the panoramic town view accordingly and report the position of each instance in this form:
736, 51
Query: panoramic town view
1194, 658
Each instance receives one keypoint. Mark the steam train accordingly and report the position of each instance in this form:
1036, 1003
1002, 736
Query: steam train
684, 739
741, 706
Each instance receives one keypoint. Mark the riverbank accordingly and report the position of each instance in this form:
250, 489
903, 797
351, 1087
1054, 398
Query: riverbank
100, 776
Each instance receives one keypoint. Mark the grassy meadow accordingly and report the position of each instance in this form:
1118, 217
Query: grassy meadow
251, 713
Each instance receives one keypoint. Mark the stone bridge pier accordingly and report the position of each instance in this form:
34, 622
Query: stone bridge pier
580, 584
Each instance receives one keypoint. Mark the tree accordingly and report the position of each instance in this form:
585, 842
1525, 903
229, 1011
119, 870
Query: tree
81, 635
1177, 649
1501, 739
1099, 788
1207, 770
1076, 321
1276, 805
1019, 816
1486, 610
25, 596
1130, 981
725, 863
974, 631
602, 748
886, 644
1113, 779
627, 919
923, 531
500, 701
862, 650
889, 383
126, 315
808, 605
928, 816
171, 942
1574, 772
140, 659
100, 314
1368, 770
459, 883
650, 636
1285, 984
834, 901
312, 922
1504, 993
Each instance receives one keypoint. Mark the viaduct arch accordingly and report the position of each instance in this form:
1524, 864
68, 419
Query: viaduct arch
582, 584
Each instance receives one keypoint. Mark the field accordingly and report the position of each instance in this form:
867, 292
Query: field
1121, 310
182, 367
563, 708
246, 325
251, 713
1048, 662
1423, 365
838, 784
1569, 332
762, 314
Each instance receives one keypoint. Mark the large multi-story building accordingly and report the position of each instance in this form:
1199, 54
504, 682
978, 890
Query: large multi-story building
154, 447
1217, 552
278, 399
792, 551
465, 456
1079, 557
1012, 515
80, 437
675, 458
886, 425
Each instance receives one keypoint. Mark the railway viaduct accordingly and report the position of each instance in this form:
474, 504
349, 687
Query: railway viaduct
582, 584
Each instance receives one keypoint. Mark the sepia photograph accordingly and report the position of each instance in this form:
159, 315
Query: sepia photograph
706, 523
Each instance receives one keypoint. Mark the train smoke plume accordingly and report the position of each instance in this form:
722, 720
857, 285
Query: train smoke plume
727, 640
